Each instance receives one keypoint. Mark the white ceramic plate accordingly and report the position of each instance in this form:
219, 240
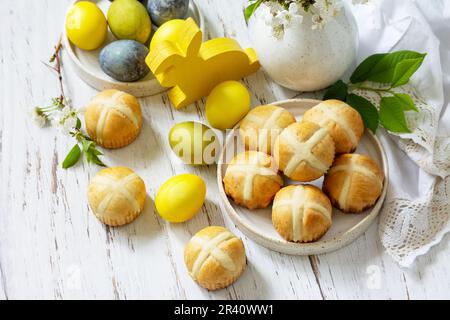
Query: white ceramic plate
257, 224
87, 67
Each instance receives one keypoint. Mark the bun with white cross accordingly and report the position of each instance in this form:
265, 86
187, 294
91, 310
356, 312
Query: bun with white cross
301, 213
354, 183
262, 125
113, 119
215, 257
304, 151
252, 179
342, 121
116, 195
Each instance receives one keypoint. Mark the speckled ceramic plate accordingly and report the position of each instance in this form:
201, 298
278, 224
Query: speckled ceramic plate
87, 67
257, 224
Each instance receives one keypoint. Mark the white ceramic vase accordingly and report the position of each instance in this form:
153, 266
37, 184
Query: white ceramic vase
305, 59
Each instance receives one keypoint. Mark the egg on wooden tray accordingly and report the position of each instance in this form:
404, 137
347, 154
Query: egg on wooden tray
86, 25
162, 11
128, 19
124, 60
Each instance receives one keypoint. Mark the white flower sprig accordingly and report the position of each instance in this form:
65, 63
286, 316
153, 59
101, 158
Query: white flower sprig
62, 115
281, 14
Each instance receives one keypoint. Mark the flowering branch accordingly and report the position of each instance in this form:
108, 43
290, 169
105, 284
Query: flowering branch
281, 14
62, 115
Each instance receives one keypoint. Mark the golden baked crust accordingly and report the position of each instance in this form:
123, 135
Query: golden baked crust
116, 195
354, 183
301, 213
262, 125
215, 257
252, 180
343, 122
113, 119
304, 151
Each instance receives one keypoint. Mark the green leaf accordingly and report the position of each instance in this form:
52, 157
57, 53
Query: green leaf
78, 126
366, 109
406, 102
72, 157
96, 151
91, 152
336, 91
362, 72
404, 70
250, 10
93, 158
392, 115
383, 71
86, 144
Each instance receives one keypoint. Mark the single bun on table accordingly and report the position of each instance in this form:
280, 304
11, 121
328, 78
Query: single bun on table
354, 183
252, 180
301, 213
113, 119
215, 258
304, 151
262, 125
116, 195
342, 121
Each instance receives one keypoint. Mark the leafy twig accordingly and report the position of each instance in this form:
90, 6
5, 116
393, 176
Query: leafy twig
391, 70
66, 118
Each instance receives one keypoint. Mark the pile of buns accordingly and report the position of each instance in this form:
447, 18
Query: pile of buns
320, 145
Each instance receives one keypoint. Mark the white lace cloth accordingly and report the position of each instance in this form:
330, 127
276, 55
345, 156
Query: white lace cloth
416, 214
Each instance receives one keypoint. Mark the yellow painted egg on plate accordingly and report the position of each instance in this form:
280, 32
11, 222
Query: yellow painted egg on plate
181, 197
167, 32
86, 25
194, 143
227, 104
129, 20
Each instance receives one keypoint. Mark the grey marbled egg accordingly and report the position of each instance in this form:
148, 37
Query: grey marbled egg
164, 10
124, 60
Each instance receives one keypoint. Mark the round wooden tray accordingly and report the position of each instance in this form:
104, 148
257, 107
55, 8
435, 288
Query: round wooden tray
257, 224
87, 67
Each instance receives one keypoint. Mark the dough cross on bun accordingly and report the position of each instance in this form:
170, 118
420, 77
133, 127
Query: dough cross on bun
116, 187
330, 114
215, 258
262, 125
303, 151
343, 122
299, 204
250, 172
252, 179
268, 124
211, 248
350, 168
111, 103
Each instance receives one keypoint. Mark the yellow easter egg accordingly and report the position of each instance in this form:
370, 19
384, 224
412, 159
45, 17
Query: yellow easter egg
181, 197
167, 32
86, 25
194, 143
227, 104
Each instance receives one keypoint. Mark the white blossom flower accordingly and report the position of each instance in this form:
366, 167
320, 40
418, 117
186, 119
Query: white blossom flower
274, 7
318, 22
279, 18
65, 119
38, 117
280, 15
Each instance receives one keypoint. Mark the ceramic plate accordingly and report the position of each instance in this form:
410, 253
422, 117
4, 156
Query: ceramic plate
257, 224
87, 67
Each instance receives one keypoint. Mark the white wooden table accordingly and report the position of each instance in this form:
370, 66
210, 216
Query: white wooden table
51, 246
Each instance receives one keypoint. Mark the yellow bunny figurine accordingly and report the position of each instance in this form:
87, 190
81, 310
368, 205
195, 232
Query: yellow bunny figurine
192, 68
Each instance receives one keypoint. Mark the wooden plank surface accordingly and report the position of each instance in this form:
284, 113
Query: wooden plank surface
51, 246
